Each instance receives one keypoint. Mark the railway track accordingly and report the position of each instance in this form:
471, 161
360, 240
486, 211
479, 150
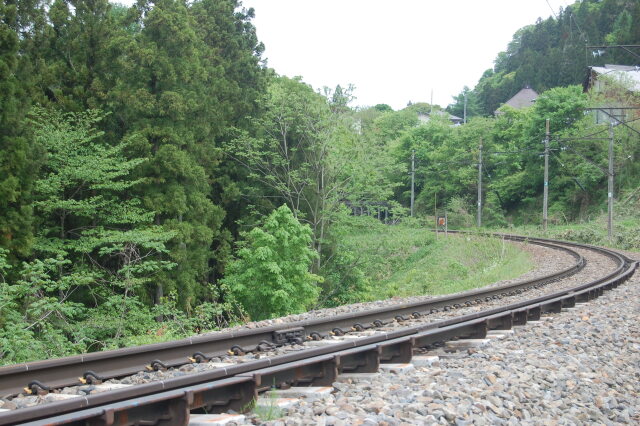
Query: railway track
383, 335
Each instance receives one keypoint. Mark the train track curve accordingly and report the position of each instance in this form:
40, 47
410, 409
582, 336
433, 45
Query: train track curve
385, 335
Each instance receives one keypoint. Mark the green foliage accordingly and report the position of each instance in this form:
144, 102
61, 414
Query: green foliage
492, 213
80, 198
306, 154
36, 310
457, 108
270, 276
406, 260
116, 227
97, 249
458, 216
551, 53
390, 125
17, 157
455, 263
383, 108
593, 230
365, 253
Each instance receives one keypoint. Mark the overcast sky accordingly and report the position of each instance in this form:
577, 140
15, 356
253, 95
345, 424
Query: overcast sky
392, 51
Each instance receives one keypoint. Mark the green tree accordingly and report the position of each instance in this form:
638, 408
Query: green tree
390, 126
84, 212
457, 108
290, 155
162, 104
82, 49
550, 53
383, 108
187, 78
428, 140
236, 80
270, 276
16, 154
96, 249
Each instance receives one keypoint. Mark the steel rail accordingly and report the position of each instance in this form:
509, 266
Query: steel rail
68, 371
243, 381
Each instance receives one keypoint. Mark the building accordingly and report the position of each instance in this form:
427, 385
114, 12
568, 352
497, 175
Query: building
626, 75
619, 85
523, 99
424, 117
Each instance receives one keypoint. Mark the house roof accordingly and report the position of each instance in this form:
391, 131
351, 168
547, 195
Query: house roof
523, 99
424, 116
624, 73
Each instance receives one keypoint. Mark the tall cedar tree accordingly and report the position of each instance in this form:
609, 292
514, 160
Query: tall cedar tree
232, 54
187, 76
16, 158
81, 53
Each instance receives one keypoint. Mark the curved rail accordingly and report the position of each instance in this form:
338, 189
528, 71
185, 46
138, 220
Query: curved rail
234, 387
74, 370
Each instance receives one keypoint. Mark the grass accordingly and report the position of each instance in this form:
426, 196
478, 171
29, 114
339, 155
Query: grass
455, 263
407, 260
268, 412
626, 229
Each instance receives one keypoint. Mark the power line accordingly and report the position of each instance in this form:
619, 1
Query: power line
575, 179
552, 11
626, 47
584, 36
581, 137
593, 163
514, 152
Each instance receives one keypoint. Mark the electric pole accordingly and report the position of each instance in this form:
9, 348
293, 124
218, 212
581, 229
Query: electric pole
610, 192
480, 185
413, 176
431, 113
545, 201
465, 108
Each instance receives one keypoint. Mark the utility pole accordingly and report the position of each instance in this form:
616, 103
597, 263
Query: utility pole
545, 201
610, 192
413, 178
431, 113
465, 108
480, 185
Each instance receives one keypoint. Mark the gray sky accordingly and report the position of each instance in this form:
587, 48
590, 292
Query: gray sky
393, 51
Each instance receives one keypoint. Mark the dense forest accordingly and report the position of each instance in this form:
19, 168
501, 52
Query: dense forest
553, 53
158, 179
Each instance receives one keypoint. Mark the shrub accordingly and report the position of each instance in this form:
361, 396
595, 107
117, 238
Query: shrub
270, 276
458, 214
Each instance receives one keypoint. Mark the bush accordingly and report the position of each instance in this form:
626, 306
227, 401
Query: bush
458, 214
492, 214
270, 276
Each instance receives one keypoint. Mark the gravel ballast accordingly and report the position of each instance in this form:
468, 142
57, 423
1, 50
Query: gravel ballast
581, 366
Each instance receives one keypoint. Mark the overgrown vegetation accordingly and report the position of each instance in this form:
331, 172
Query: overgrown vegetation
407, 260
551, 53
626, 229
270, 276
146, 154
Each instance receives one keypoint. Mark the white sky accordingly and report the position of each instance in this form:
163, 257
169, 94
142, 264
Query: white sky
393, 51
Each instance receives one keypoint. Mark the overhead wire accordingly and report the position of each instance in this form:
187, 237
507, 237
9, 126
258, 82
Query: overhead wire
513, 152
575, 179
581, 137
552, 11
587, 159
